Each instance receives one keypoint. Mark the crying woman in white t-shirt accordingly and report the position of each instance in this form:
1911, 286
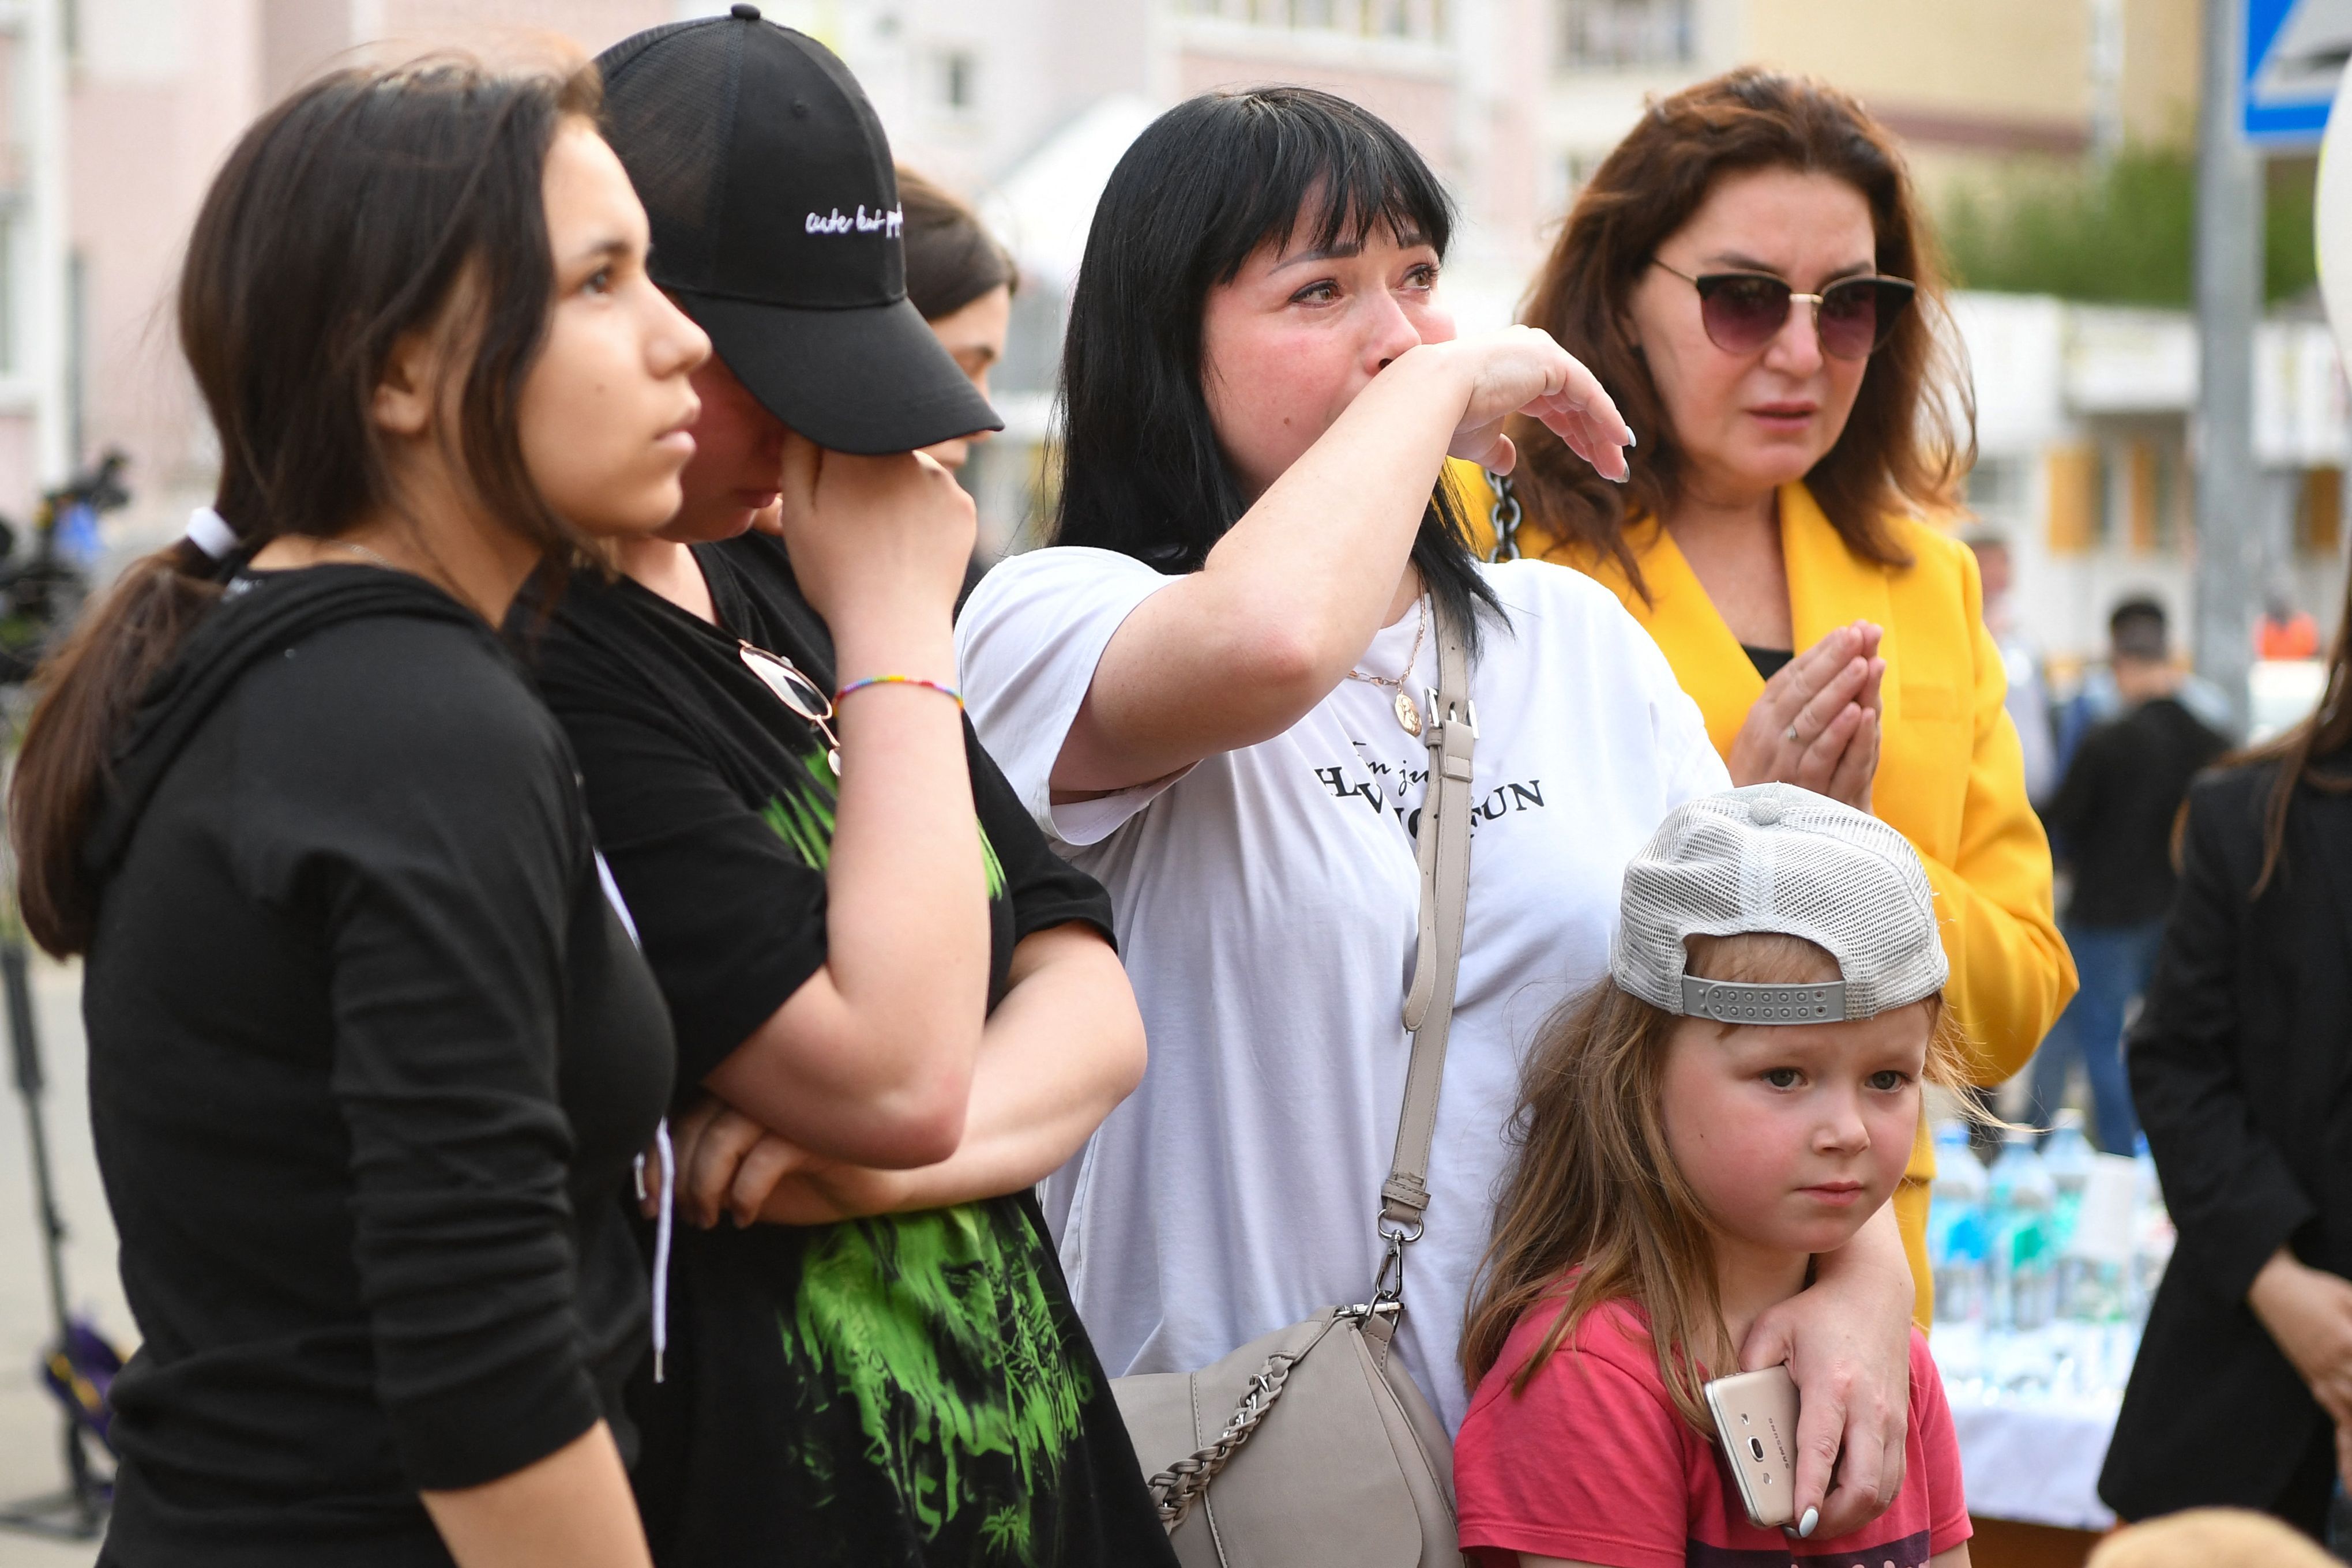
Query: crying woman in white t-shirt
1208, 693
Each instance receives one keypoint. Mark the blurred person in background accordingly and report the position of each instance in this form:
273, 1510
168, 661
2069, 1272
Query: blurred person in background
2096, 699
2285, 633
1212, 691
895, 1010
2242, 1394
1743, 269
371, 1049
961, 280
2112, 819
2028, 701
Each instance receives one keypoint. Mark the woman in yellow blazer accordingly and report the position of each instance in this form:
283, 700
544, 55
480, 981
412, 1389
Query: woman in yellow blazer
1740, 273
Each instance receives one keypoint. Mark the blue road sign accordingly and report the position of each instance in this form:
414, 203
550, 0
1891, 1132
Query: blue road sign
2295, 54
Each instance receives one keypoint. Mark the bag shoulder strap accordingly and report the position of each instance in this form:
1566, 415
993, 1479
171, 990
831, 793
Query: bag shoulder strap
1450, 730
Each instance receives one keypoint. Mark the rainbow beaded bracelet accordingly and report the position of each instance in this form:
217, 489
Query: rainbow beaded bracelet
944, 690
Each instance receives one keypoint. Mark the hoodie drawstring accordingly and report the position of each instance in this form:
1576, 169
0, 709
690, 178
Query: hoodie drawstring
663, 1222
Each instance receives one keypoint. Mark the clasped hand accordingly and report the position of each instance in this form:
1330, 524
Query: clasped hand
1817, 724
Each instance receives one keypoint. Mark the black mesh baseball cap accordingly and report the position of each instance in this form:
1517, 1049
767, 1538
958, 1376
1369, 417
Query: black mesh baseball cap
775, 225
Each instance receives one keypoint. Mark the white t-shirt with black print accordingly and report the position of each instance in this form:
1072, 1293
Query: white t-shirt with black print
1266, 904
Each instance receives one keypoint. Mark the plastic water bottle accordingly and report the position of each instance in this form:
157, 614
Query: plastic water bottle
2069, 1159
1958, 1240
2068, 1156
2022, 1196
2152, 1238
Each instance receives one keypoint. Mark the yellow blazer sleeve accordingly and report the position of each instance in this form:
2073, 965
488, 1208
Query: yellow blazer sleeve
2011, 974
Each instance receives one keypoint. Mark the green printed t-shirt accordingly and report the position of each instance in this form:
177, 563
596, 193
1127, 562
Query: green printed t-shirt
910, 1389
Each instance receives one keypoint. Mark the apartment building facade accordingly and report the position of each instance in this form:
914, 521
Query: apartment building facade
1027, 104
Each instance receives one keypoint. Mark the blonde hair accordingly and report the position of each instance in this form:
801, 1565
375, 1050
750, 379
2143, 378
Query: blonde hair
1592, 1185
2210, 1537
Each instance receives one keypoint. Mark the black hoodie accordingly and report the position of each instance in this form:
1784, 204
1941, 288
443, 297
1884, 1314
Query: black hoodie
370, 1054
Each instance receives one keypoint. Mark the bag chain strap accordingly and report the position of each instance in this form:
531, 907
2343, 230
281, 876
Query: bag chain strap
1443, 856
1178, 1487
1505, 517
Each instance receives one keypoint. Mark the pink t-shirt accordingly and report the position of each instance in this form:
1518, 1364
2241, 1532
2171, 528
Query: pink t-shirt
1594, 1464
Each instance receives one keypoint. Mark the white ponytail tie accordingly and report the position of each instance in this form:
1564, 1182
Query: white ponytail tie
210, 532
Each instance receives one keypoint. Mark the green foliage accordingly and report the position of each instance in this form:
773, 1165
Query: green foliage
2123, 236
2290, 249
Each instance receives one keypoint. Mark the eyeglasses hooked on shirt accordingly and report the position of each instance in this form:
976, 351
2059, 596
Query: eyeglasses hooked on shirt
796, 692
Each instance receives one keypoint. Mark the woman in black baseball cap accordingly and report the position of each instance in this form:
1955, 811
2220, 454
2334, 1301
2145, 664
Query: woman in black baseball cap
890, 1022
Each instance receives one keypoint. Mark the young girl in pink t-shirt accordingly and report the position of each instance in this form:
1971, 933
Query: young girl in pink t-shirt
1738, 1098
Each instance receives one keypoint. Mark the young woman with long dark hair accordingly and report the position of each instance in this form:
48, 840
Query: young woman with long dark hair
370, 1049
1210, 690
1749, 270
2242, 1394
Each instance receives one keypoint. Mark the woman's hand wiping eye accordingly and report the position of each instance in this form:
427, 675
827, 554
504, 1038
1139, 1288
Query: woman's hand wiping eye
1521, 370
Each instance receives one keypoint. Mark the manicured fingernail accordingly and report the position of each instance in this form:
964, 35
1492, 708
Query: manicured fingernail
1805, 1525
1631, 439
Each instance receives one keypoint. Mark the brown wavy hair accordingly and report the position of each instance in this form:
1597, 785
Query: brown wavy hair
1593, 1186
1912, 433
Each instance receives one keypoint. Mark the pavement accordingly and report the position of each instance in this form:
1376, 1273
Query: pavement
29, 1457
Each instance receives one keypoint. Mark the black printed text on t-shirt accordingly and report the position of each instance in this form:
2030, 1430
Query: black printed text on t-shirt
1391, 784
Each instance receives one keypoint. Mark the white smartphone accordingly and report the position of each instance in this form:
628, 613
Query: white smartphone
1755, 1419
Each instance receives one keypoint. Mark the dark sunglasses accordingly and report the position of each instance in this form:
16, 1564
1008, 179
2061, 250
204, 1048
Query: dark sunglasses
796, 692
1742, 311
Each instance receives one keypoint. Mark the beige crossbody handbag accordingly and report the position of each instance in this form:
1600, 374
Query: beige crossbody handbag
1311, 1447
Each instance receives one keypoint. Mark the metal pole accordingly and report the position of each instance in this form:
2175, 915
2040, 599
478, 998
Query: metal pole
2229, 293
25, 1046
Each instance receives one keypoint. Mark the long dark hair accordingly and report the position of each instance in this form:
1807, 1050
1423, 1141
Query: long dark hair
2324, 734
1912, 433
347, 218
952, 259
1204, 186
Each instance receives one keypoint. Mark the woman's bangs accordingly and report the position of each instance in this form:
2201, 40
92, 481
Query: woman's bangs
1337, 179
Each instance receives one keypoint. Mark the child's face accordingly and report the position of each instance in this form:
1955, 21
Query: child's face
1792, 1135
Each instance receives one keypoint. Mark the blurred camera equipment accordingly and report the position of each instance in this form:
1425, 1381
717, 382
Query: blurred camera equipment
42, 591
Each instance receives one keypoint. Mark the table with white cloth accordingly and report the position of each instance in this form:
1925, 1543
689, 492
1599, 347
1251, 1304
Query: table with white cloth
2034, 1411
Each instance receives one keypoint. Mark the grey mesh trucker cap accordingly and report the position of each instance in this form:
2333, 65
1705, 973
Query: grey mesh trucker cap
1773, 857
776, 222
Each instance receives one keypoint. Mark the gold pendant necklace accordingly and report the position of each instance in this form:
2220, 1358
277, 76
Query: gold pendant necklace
1408, 716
